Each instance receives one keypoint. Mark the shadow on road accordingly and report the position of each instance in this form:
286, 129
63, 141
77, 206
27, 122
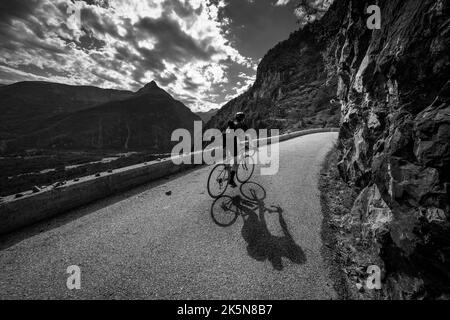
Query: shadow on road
261, 243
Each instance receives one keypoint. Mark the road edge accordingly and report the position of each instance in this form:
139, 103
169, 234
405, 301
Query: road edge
330, 247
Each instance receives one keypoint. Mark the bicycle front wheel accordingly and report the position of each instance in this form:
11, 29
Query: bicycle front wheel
245, 169
218, 181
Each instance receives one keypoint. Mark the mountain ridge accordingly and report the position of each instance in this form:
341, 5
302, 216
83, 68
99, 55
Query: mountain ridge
207, 115
108, 118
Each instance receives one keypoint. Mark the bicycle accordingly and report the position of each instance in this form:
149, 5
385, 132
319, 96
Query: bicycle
219, 176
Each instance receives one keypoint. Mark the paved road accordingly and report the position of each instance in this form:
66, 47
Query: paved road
147, 244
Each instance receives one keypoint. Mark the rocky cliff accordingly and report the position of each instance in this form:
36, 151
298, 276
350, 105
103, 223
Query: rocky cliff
292, 88
394, 141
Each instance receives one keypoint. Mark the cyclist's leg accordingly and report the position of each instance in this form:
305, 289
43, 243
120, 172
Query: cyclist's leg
234, 164
235, 155
232, 171
236, 161
228, 162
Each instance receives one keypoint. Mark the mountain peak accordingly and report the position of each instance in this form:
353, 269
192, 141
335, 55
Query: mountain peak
151, 85
149, 88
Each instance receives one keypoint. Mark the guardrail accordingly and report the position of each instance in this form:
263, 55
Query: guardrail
31, 208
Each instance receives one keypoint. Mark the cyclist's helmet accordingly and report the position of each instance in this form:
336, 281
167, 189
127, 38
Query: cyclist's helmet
240, 116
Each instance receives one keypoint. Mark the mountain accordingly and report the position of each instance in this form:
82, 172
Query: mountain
293, 89
143, 120
27, 106
207, 115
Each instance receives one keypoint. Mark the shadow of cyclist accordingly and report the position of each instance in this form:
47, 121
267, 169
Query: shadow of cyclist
261, 243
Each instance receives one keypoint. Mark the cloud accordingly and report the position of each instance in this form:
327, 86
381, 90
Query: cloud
282, 2
194, 49
172, 42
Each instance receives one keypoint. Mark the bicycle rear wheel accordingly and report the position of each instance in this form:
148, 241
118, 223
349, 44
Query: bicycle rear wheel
245, 169
224, 212
218, 181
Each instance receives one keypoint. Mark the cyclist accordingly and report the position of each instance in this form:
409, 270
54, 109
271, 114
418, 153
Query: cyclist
232, 151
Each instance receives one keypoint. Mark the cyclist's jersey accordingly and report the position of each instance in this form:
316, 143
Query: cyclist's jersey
233, 125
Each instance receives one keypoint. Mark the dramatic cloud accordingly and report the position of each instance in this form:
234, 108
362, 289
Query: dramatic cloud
282, 2
202, 52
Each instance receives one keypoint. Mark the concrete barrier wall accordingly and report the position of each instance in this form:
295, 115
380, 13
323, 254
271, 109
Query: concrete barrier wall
20, 212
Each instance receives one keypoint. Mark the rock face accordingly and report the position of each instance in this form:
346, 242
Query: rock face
394, 141
292, 88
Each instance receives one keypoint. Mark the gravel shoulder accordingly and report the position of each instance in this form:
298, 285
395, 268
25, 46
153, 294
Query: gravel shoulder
347, 257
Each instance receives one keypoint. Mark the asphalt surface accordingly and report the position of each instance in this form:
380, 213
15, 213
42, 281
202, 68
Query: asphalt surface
160, 242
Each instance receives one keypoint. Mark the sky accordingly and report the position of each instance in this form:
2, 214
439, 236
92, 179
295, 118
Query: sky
203, 52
